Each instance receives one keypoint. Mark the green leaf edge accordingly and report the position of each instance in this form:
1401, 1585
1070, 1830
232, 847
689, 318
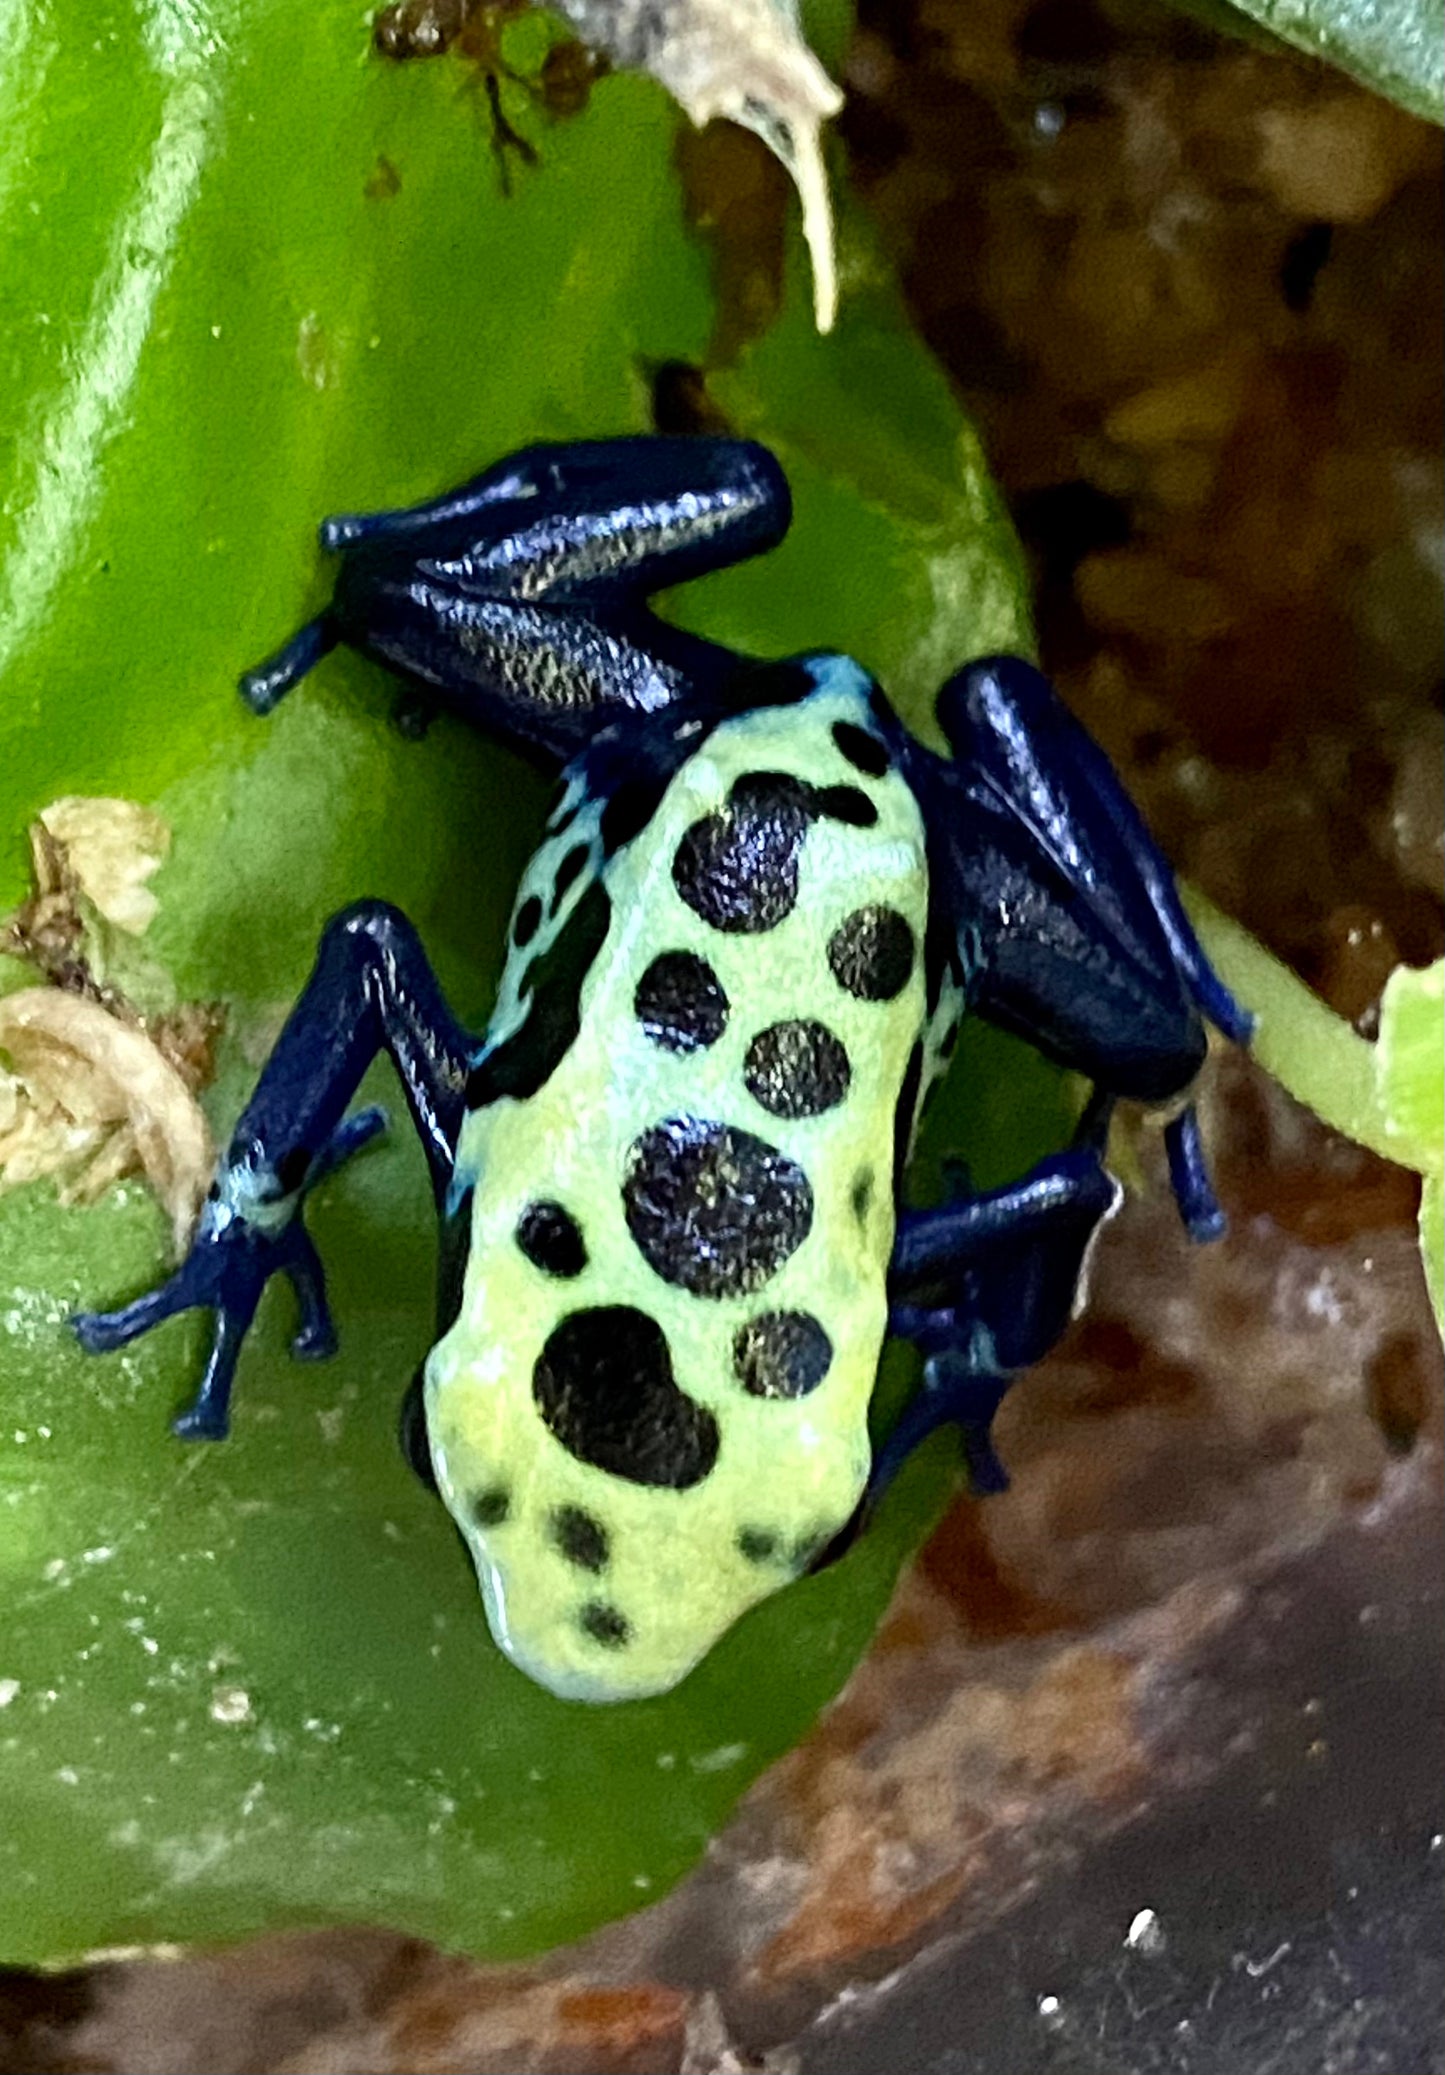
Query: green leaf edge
1325, 1064
1312, 26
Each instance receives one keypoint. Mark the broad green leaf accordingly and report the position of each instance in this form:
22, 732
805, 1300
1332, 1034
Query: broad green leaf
1395, 46
251, 274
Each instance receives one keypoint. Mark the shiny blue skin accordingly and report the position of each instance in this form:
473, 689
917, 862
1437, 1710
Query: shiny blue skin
520, 602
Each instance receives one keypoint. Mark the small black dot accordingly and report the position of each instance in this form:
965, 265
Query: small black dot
529, 915
581, 1539
796, 1069
606, 1625
758, 1544
871, 953
782, 1354
680, 1002
567, 871
861, 1194
864, 751
847, 803
490, 1508
551, 1239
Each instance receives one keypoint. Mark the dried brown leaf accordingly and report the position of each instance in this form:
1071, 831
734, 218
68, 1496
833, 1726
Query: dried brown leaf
89, 1099
746, 60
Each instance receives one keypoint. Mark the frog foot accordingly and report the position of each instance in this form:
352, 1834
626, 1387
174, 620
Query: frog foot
241, 1241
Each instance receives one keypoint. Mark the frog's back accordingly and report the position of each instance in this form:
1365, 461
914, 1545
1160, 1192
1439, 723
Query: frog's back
651, 1408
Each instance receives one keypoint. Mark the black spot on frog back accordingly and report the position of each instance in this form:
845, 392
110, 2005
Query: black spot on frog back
737, 868
714, 1210
781, 1354
604, 1386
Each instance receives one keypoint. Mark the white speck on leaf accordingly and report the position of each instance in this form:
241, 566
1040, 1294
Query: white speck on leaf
230, 1704
720, 1760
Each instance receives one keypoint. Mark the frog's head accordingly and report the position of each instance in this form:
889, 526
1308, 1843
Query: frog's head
611, 1564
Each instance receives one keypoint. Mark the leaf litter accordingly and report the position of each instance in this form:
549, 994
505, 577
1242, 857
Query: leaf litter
99, 1067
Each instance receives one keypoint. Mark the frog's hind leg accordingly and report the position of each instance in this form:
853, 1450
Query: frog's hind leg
520, 599
1066, 914
506, 482
984, 1286
371, 990
1014, 739
594, 517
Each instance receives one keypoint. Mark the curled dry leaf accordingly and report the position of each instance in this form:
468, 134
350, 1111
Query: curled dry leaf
90, 1098
744, 59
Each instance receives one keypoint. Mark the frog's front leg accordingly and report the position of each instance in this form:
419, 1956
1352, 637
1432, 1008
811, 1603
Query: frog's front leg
520, 599
984, 1286
371, 990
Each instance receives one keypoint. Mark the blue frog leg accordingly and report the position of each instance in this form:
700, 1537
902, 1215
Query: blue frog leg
371, 990
520, 599
1068, 920
984, 1286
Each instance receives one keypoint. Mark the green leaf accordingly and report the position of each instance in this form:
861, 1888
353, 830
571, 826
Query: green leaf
252, 274
1432, 1242
1410, 1065
1321, 1059
1397, 47
1389, 1096
1410, 1062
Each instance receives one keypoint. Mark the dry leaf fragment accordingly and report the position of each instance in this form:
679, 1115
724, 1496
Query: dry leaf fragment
744, 59
95, 1098
111, 848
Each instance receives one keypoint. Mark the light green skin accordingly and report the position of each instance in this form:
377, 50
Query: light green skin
792, 1469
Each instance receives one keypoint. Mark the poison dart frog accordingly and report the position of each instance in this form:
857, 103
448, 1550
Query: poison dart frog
667, 1176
